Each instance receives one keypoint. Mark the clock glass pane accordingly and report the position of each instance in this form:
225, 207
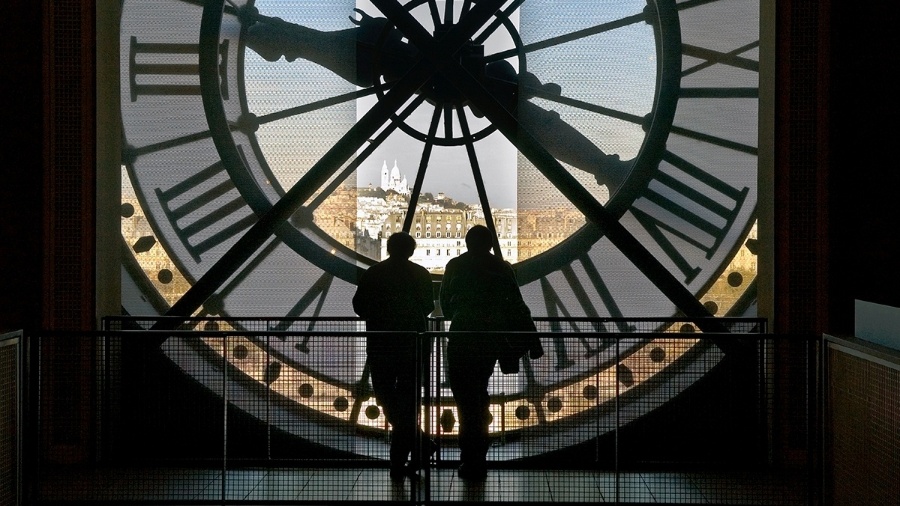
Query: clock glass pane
587, 80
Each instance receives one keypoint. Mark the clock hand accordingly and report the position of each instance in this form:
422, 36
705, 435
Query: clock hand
350, 53
550, 167
569, 145
562, 140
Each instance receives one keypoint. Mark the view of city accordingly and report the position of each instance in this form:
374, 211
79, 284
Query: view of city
363, 218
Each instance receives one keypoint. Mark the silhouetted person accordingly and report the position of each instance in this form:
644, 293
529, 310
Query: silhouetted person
473, 294
396, 295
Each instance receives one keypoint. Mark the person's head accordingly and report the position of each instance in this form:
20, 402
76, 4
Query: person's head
479, 239
401, 244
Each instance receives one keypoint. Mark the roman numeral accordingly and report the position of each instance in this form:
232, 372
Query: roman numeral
692, 205
711, 58
170, 69
318, 291
715, 140
736, 92
206, 210
588, 299
555, 309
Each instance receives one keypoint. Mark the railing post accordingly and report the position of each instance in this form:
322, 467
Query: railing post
618, 422
224, 418
816, 415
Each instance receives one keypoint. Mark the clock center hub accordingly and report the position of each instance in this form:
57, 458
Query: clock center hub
439, 90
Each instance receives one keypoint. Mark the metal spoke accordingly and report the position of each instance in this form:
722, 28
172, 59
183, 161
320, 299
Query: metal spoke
130, 153
448, 122
492, 27
569, 37
248, 269
420, 175
479, 181
448, 12
717, 141
587, 106
364, 155
466, 6
320, 104
453, 40
435, 13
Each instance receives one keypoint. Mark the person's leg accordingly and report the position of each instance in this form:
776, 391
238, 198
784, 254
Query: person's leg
405, 417
383, 374
469, 372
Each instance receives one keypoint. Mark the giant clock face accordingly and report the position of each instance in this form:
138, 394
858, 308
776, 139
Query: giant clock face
611, 145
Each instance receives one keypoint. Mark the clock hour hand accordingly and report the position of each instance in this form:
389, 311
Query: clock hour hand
560, 139
351, 53
569, 145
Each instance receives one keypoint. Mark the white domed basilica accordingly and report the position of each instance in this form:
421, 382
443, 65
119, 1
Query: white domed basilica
393, 180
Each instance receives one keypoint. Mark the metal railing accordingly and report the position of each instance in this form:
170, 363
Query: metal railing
209, 407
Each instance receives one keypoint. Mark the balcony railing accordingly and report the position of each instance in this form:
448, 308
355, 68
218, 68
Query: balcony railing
218, 408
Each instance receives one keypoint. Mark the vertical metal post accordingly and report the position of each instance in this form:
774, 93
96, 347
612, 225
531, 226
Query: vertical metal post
618, 421
427, 343
31, 440
269, 397
17, 341
224, 417
815, 421
417, 443
20, 418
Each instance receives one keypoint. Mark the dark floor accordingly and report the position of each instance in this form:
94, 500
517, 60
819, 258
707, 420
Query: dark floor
302, 485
